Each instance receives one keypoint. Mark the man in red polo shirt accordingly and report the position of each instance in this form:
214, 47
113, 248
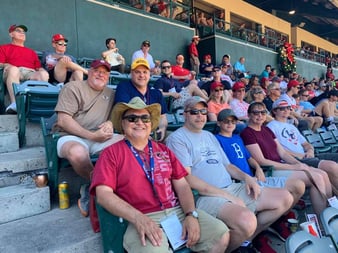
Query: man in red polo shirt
20, 63
193, 53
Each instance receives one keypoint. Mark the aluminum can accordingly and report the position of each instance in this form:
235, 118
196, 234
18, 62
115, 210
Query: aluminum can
63, 195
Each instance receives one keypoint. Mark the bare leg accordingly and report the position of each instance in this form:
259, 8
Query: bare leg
269, 210
296, 187
12, 76
194, 90
331, 168
41, 75
60, 70
78, 156
241, 222
221, 244
322, 181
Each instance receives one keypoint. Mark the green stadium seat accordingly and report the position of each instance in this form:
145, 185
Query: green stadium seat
34, 99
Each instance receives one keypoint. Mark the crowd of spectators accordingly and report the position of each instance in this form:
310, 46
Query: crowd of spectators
85, 120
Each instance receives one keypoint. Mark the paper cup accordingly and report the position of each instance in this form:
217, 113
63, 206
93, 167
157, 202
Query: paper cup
310, 227
293, 225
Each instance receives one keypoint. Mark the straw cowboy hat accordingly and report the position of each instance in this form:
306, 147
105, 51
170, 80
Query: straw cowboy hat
137, 104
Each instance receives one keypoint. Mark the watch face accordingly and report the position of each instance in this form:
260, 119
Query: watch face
195, 214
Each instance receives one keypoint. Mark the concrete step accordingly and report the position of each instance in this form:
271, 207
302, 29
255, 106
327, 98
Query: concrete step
27, 159
9, 128
9, 142
56, 231
23, 200
9, 123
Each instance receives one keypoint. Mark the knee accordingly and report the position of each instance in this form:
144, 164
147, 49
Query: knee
13, 71
246, 222
77, 153
296, 187
44, 76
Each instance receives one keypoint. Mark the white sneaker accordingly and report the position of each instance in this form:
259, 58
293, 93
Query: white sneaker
11, 109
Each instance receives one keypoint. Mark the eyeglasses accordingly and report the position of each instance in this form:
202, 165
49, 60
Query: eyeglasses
61, 44
145, 45
132, 118
166, 67
196, 111
286, 108
305, 95
20, 31
230, 121
298, 87
256, 113
217, 90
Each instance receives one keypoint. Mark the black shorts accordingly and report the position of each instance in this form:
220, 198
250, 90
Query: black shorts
52, 79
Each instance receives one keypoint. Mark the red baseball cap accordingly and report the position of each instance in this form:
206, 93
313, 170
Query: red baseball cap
58, 36
293, 83
13, 27
238, 86
215, 84
207, 56
97, 63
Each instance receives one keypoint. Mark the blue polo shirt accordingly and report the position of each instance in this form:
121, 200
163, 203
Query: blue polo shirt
126, 91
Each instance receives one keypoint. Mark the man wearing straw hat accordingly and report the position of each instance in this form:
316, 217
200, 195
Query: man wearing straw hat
141, 181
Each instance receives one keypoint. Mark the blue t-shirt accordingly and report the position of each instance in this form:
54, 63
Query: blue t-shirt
306, 105
236, 152
125, 91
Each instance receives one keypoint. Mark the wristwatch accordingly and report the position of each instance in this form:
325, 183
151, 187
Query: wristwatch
193, 214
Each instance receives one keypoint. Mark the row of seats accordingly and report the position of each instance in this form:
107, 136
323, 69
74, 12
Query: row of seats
323, 141
302, 241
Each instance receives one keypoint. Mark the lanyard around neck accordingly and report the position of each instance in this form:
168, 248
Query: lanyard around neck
148, 172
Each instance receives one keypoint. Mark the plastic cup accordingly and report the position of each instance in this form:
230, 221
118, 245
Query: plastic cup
310, 227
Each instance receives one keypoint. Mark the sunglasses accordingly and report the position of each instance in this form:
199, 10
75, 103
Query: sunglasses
259, 92
240, 90
305, 95
256, 113
276, 89
61, 44
229, 121
145, 118
166, 67
217, 90
286, 108
196, 111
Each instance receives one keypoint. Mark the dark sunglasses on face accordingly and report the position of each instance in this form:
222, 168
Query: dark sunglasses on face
145, 118
166, 67
240, 90
196, 111
286, 108
217, 90
259, 92
305, 95
256, 113
230, 121
61, 44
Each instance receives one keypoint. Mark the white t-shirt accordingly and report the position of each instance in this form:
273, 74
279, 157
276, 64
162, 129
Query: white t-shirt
288, 136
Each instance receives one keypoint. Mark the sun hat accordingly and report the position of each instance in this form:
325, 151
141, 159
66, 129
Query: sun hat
135, 103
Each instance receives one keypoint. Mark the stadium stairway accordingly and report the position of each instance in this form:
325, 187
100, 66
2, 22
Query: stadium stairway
30, 220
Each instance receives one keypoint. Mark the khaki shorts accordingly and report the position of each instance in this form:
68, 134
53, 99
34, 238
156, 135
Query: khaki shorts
212, 230
25, 73
92, 146
213, 205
